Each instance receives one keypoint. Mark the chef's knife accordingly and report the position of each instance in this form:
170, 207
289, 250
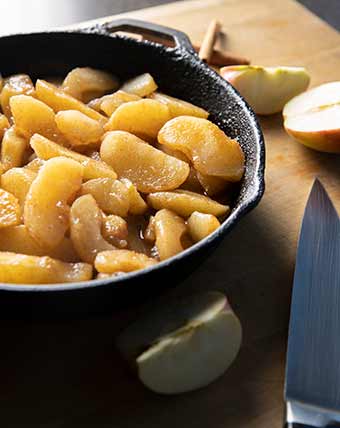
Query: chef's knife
312, 389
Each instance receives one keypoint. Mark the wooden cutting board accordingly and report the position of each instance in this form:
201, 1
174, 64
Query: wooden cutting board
69, 375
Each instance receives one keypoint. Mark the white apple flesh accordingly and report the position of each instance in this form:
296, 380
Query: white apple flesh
314, 99
313, 118
267, 89
203, 344
319, 130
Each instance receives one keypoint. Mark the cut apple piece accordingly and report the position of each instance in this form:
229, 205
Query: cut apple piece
147, 168
18, 84
209, 149
122, 261
318, 129
17, 239
32, 116
137, 204
267, 89
320, 97
46, 149
170, 231
141, 85
4, 124
85, 83
143, 118
313, 118
18, 182
110, 103
179, 107
10, 212
183, 345
25, 269
115, 230
46, 208
184, 203
212, 185
78, 128
59, 100
14, 149
202, 225
111, 195
86, 221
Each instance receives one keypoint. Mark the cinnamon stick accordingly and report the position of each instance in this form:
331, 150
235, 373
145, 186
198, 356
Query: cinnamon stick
221, 58
209, 40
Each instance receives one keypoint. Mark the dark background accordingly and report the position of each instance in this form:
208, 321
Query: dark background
26, 15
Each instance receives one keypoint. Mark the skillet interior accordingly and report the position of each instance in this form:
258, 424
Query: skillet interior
178, 73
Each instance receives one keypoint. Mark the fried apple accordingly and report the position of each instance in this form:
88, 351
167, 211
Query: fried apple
46, 210
149, 169
209, 149
23, 269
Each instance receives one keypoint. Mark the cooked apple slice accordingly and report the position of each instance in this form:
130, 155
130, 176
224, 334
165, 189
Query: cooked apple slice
18, 182
147, 168
141, 85
179, 107
202, 225
184, 345
143, 118
111, 195
267, 89
115, 230
4, 124
86, 221
14, 149
59, 100
18, 84
46, 209
122, 261
209, 149
17, 239
184, 203
46, 149
32, 116
212, 185
79, 129
24, 269
10, 212
110, 103
319, 129
85, 83
169, 230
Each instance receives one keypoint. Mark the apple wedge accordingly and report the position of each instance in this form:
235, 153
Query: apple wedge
319, 97
184, 345
317, 129
313, 118
267, 89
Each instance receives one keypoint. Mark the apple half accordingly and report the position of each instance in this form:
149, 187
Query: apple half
267, 89
184, 345
313, 118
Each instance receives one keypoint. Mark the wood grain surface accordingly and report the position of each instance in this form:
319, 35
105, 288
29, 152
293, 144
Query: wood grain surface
68, 375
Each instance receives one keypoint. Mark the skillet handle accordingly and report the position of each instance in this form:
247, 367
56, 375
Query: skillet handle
158, 33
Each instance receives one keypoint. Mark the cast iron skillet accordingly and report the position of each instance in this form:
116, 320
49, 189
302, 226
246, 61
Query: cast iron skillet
178, 72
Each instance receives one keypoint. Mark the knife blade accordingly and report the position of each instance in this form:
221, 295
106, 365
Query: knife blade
312, 388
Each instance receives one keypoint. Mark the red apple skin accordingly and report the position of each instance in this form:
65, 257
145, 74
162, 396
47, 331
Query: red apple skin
323, 141
230, 75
